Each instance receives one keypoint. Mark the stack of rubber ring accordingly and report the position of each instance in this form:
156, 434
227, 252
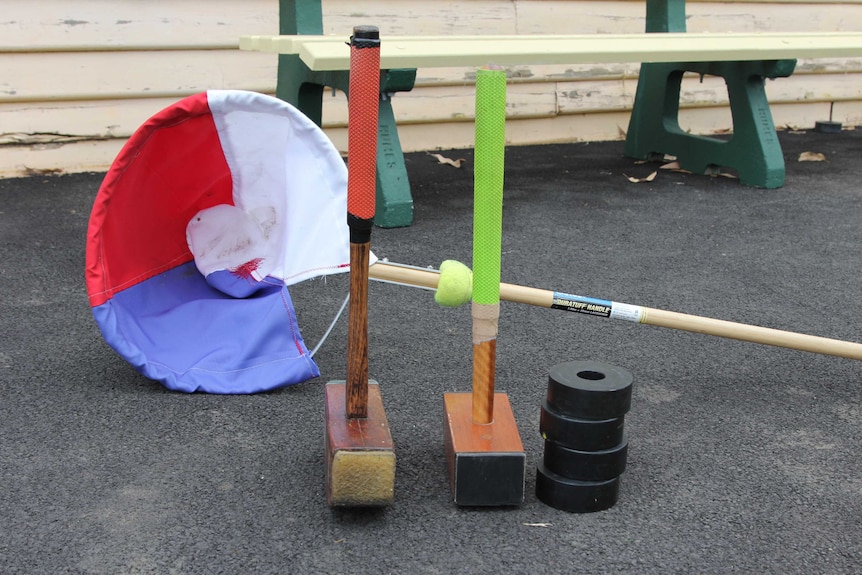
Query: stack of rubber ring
582, 422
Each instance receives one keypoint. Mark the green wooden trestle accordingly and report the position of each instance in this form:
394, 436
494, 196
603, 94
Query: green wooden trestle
752, 151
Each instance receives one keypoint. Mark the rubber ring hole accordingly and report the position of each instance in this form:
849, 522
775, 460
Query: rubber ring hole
591, 375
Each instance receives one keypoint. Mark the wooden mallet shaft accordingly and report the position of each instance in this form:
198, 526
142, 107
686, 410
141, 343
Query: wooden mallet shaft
356, 397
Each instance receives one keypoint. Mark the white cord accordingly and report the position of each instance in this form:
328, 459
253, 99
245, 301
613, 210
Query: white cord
331, 325
347, 299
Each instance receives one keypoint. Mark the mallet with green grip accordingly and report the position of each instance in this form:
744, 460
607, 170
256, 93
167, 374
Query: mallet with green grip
484, 452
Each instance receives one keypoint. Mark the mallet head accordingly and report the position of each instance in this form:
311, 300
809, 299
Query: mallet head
360, 455
487, 463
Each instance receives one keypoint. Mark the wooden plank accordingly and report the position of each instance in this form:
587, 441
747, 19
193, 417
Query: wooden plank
101, 24
709, 92
528, 73
790, 16
583, 16
556, 129
601, 126
580, 17
806, 66
850, 113
87, 156
450, 104
152, 74
578, 49
113, 75
601, 16
292, 44
409, 17
538, 73
547, 99
96, 156
65, 122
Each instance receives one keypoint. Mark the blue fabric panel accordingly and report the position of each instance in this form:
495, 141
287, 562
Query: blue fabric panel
236, 285
179, 330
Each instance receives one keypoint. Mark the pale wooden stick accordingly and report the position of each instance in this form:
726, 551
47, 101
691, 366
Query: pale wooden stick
650, 316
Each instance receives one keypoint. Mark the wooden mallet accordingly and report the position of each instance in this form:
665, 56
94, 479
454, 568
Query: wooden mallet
360, 456
486, 458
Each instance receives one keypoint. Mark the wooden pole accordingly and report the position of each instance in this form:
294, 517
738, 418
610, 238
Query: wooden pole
650, 316
357, 335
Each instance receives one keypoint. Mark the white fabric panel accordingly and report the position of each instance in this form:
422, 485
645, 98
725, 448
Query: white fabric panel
290, 179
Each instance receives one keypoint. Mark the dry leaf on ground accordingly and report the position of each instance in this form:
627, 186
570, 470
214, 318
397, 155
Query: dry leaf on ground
674, 167
649, 178
441, 159
811, 157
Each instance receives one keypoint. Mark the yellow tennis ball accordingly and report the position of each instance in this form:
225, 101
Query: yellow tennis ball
456, 284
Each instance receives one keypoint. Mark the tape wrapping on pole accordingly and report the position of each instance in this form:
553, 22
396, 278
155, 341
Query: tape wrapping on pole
485, 320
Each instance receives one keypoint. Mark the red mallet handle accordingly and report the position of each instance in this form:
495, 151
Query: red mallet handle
364, 94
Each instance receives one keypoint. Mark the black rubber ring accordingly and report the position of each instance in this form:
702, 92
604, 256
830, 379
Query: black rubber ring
575, 496
581, 434
586, 465
589, 390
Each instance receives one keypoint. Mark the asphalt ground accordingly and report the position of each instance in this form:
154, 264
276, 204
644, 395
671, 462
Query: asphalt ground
743, 458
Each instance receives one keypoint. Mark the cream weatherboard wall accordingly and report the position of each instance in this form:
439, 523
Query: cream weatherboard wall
77, 77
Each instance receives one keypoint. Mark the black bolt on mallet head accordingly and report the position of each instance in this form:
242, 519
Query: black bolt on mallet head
360, 456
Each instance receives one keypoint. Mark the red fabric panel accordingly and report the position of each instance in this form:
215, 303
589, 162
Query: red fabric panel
171, 168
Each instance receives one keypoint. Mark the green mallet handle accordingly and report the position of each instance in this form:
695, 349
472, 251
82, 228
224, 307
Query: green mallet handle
489, 163
361, 188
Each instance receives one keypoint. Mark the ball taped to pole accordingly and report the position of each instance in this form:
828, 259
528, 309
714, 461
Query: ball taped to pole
455, 287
